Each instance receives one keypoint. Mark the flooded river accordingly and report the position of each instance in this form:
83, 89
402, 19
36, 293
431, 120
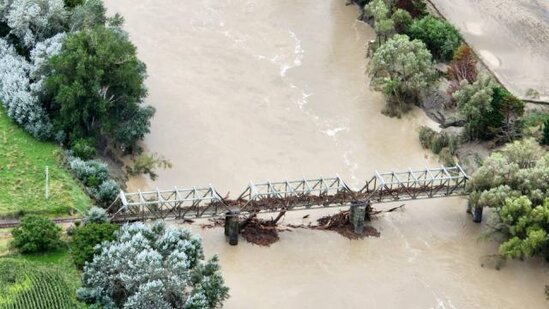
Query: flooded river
273, 90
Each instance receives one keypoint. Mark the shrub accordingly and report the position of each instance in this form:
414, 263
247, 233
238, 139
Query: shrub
83, 149
446, 157
441, 37
426, 135
88, 15
96, 215
36, 234
92, 173
152, 267
86, 237
107, 192
402, 20
402, 69
463, 65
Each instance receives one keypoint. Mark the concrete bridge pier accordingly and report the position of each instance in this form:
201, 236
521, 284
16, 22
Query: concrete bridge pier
477, 214
357, 215
232, 226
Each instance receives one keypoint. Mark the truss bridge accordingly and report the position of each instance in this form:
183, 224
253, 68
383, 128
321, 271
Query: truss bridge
190, 203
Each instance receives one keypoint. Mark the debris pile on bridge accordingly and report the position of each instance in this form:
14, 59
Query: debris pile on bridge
260, 232
341, 224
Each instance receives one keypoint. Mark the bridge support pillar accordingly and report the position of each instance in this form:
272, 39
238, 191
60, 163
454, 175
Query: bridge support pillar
232, 227
357, 215
477, 214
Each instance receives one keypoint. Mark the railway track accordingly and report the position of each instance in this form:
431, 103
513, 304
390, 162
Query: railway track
5, 224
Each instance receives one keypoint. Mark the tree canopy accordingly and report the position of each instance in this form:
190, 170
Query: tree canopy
152, 267
403, 69
97, 88
514, 182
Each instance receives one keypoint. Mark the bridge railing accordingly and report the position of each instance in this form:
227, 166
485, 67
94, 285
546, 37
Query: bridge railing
288, 195
294, 194
414, 184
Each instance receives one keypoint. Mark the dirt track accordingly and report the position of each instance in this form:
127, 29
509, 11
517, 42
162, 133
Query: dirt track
511, 36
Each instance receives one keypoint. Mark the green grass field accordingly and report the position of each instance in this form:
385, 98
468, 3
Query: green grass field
38, 281
23, 160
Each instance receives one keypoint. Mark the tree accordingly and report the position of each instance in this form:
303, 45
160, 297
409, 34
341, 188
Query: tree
97, 89
474, 103
16, 93
402, 69
441, 37
87, 15
32, 21
383, 24
514, 182
463, 65
402, 20
36, 234
86, 237
152, 267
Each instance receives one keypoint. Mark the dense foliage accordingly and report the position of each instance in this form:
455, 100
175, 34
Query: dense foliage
36, 234
439, 143
152, 267
514, 182
86, 237
95, 176
86, 59
403, 69
380, 11
441, 37
97, 87
489, 109
23, 285
545, 137
416, 8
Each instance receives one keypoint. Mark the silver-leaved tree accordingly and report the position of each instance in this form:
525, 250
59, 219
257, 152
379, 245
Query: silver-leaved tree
152, 267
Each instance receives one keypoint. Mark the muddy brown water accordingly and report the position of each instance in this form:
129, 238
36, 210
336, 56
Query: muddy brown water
273, 90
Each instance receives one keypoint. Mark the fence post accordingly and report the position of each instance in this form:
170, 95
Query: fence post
47, 183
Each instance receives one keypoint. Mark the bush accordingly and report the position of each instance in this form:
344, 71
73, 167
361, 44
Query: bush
96, 215
36, 234
152, 267
83, 149
86, 237
92, 173
463, 65
441, 37
402, 20
107, 192
426, 135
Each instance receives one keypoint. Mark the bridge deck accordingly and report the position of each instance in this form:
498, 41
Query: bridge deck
290, 195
